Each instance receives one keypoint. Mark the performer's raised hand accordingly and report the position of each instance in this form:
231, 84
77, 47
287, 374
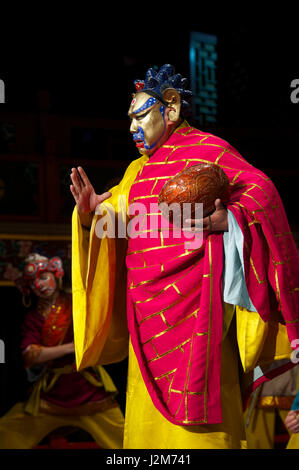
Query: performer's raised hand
84, 194
216, 222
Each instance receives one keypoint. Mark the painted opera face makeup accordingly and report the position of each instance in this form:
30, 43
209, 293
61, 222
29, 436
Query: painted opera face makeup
149, 126
44, 285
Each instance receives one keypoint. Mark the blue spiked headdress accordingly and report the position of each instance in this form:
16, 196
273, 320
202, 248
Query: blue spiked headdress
156, 83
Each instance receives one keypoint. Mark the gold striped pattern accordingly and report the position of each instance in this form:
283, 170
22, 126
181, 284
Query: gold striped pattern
248, 193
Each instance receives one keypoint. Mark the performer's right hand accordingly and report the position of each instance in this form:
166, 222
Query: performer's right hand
84, 194
292, 422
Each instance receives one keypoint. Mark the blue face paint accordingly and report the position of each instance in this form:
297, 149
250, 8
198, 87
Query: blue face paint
162, 111
150, 102
139, 135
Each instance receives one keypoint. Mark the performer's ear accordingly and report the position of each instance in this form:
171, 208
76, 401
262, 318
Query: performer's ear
173, 99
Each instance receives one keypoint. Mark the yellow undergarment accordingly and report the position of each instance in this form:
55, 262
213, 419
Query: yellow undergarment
19, 430
146, 428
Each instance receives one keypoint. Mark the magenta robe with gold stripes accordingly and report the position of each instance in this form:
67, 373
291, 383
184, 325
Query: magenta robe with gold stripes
175, 296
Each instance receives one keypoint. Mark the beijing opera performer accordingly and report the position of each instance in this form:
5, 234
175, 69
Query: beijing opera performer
184, 314
61, 396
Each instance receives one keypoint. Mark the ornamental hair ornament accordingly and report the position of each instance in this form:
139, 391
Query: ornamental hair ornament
35, 265
157, 82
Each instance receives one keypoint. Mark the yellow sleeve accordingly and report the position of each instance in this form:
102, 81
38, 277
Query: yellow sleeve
259, 342
99, 283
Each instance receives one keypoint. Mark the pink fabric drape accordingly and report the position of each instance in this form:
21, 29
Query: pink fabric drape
175, 292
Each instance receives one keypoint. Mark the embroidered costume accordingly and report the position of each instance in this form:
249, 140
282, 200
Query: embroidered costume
272, 401
60, 396
183, 351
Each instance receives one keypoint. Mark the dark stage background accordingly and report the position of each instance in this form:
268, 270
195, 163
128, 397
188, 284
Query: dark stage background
66, 103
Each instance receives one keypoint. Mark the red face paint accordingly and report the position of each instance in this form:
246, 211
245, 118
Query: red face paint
44, 285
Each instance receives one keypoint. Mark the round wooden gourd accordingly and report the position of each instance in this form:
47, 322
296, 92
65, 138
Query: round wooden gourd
203, 183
